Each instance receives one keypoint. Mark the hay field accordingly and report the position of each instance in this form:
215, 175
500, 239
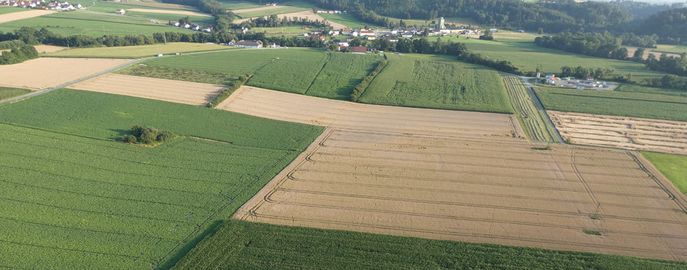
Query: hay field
461, 176
75, 198
43, 73
15, 16
42, 48
308, 14
622, 132
160, 89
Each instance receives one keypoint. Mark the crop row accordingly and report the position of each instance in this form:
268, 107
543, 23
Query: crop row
532, 121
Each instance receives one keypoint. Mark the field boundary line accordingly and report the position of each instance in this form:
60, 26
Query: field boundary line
329, 57
248, 208
663, 183
542, 112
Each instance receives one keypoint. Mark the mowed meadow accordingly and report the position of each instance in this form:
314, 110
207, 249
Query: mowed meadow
73, 196
437, 82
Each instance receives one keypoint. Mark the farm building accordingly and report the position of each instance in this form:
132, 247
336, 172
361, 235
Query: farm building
249, 44
359, 49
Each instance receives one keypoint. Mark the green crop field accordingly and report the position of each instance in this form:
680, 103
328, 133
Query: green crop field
6, 10
671, 48
633, 102
437, 82
341, 74
282, 8
245, 245
315, 72
346, 19
239, 4
91, 23
73, 197
284, 31
138, 51
11, 92
674, 167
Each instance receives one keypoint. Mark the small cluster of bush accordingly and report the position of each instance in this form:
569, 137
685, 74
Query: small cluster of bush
147, 135
231, 86
360, 88
18, 55
500, 65
9, 44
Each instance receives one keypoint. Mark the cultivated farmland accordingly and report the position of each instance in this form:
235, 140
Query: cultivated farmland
50, 72
437, 82
247, 245
15, 16
532, 118
674, 167
633, 102
160, 89
461, 177
622, 132
138, 51
341, 74
11, 92
74, 198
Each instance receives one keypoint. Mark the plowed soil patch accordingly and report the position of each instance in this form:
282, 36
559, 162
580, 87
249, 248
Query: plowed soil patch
43, 73
622, 132
160, 89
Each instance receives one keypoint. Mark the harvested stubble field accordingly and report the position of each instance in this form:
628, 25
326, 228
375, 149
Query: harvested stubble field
152, 88
462, 176
50, 72
139, 51
622, 132
437, 82
73, 198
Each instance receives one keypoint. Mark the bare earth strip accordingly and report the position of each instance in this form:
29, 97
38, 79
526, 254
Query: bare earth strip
622, 132
15, 16
461, 176
160, 89
44, 73
167, 11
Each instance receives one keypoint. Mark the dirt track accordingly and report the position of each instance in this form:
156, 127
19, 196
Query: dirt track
15, 16
461, 176
43, 73
622, 132
160, 89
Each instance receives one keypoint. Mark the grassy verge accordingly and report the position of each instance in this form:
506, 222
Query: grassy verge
245, 245
11, 92
674, 167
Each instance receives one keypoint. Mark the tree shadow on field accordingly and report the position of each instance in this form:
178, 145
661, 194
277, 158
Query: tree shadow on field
174, 258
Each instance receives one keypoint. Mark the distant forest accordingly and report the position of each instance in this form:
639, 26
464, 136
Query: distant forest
668, 22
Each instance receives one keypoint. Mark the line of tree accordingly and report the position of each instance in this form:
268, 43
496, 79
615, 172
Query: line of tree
604, 45
9, 44
668, 64
362, 86
668, 81
18, 55
669, 26
581, 72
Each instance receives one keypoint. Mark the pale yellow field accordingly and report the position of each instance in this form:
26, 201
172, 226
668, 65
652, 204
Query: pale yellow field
167, 11
43, 73
15, 16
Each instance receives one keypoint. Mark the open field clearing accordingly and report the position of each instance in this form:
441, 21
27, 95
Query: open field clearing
72, 197
44, 73
677, 49
308, 14
11, 92
622, 132
532, 118
167, 11
6, 10
152, 88
48, 48
248, 245
15, 16
90, 23
437, 82
139, 51
674, 167
461, 176
268, 10
345, 19
632, 101
349, 115
296, 30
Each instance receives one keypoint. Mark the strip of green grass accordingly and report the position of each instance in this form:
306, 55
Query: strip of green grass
7, 10
75, 199
437, 82
245, 245
139, 51
11, 92
643, 104
674, 167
